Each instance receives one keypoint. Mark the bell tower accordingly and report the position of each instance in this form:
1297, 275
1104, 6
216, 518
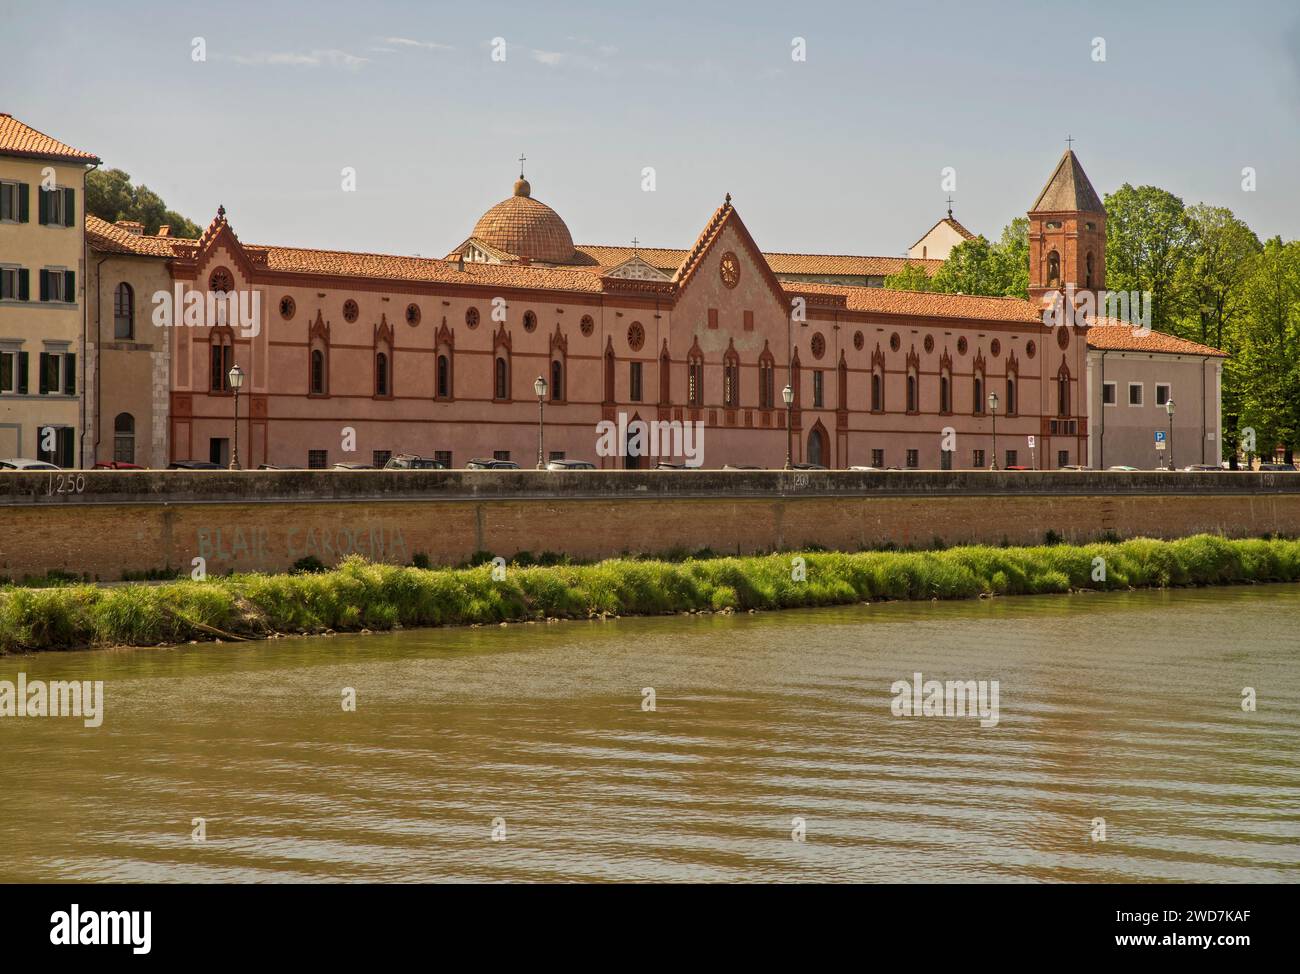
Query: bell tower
1067, 233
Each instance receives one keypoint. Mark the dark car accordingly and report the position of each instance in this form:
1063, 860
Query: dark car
350, 465
741, 466
570, 465
808, 466
665, 465
194, 465
409, 461
117, 465
1277, 467
481, 464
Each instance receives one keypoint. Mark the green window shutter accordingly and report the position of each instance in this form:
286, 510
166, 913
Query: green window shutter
45, 283
23, 190
42, 206
22, 373
70, 374
69, 207
24, 285
70, 286
44, 373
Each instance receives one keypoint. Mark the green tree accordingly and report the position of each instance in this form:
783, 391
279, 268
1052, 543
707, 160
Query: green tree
911, 278
1148, 237
110, 196
1011, 258
1213, 277
1265, 368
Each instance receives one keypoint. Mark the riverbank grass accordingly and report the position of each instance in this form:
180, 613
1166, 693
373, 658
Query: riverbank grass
361, 595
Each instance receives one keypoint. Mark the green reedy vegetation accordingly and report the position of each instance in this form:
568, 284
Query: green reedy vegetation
360, 595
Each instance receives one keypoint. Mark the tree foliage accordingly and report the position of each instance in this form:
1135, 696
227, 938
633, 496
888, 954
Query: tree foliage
110, 196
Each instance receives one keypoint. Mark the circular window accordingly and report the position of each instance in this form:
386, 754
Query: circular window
729, 269
350, 311
530, 321
471, 317
412, 314
221, 281
287, 307
858, 340
587, 325
1063, 336
818, 345
961, 345
1031, 348
635, 336
929, 344
894, 342
996, 348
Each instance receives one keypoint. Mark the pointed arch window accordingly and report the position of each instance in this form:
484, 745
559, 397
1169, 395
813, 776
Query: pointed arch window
766, 379
945, 384
318, 357
977, 385
1053, 267
383, 359
221, 357
501, 365
877, 381
1013, 386
796, 380
842, 383
1063, 390
913, 382
731, 379
610, 364
695, 377
557, 380
665, 377
559, 365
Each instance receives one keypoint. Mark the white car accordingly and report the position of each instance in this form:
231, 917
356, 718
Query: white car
18, 463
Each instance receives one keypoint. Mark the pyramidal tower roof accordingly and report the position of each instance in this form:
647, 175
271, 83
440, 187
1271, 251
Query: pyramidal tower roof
1068, 189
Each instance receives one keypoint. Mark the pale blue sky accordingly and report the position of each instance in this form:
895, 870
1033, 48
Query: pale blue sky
839, 154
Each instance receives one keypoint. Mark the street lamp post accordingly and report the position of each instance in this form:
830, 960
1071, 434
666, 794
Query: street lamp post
1169, 408
236, 377
788, 395
539, 387
993, 407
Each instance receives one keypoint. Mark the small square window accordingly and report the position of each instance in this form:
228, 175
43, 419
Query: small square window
443, 457
1162, 393
317, 459
877, 458
913, 459
1013, 459
1135, 393
380, 457
978, 459
1108, 393
500, 454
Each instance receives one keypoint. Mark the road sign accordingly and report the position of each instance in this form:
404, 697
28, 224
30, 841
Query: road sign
1160, 444
1160, 438
1031, 443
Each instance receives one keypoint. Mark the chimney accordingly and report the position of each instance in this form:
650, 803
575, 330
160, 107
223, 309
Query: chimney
165, 230
131, 226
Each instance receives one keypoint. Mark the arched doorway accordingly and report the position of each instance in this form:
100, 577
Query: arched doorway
819, 447
635, 447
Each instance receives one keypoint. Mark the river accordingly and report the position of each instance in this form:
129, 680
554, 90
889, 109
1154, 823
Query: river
527, 752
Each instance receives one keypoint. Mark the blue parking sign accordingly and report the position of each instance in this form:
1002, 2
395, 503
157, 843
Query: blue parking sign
1160, 436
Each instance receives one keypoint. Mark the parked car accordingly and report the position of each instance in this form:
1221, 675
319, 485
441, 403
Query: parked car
20, 463
1277, 467
665, 465
1121, 468
409, 461
808, 466
350, 465
194, 465
862, 467
570, 465
272, 466
117, 465
1077, 466
1202, 467
741, 466
1017, 466
481, 464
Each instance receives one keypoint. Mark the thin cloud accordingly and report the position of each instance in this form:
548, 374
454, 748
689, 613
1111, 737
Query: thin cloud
550, 58
320, 58
427, 45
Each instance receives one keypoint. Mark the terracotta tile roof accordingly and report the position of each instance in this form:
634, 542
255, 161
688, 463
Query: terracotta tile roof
928, 304
1120, 337
108, 238
1068, 189
111, 239
17, 139
812, 265
526, 227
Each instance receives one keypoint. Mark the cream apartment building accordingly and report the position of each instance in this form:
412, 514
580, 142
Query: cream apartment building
42, 202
